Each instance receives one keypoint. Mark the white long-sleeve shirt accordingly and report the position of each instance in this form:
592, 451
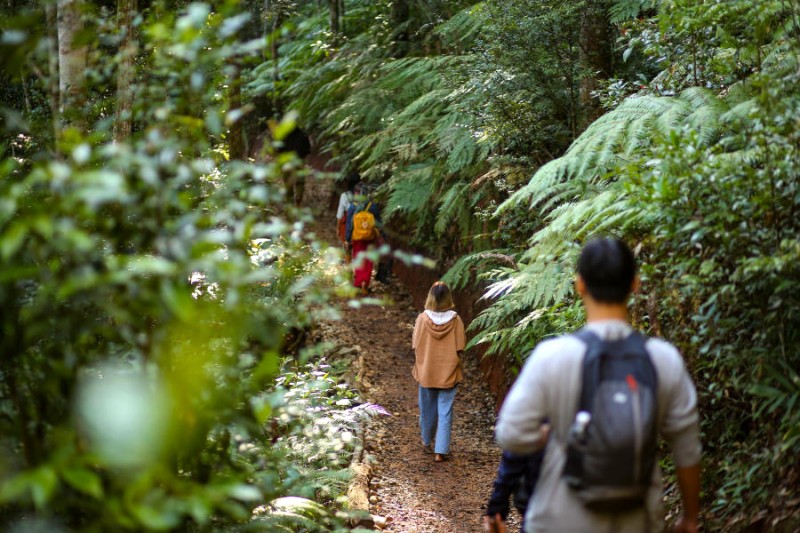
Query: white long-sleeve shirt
344, 202
549, 387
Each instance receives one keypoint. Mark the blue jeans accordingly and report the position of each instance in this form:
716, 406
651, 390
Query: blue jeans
436, 416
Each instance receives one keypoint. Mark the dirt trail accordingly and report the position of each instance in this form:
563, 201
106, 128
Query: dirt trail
406, 486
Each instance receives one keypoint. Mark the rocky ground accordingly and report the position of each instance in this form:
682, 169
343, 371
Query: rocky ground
406, 487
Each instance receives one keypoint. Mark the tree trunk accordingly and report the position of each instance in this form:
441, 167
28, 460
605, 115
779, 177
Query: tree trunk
596, 56
123, 117
399, 21
333, 7
235, 138
54, 95
271, 25
71, 62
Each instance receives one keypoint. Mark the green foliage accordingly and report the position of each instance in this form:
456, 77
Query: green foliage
726, 237
705, 184
400, 122
465, 270
618, 136
148, 288
527, 74
475, 139
622, 10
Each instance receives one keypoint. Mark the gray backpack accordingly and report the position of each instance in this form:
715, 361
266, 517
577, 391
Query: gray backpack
611, 448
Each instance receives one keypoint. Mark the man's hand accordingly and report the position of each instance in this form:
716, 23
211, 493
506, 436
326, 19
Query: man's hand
545, 434
689, 483
494, 524
685, 525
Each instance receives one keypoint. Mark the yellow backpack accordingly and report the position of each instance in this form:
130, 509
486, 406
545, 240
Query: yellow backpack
364, 225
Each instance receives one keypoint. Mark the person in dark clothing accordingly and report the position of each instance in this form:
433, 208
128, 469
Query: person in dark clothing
517, 475
296, 141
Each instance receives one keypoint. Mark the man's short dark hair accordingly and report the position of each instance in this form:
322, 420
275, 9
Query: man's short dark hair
351, 179
608, 268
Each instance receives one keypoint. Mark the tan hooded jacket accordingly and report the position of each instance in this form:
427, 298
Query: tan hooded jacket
436, 348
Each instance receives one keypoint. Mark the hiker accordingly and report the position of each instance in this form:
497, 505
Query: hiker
603, 386
517, 476
438, 342
345, 201
299, 142
363, 217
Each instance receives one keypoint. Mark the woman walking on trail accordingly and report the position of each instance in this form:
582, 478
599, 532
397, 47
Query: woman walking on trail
361, 232
438, 342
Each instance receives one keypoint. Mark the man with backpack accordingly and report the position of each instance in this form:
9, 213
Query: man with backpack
607, 393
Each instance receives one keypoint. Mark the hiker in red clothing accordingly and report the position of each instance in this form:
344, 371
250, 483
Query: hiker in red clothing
363, 219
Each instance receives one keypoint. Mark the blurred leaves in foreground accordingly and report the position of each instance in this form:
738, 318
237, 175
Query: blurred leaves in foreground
147, 289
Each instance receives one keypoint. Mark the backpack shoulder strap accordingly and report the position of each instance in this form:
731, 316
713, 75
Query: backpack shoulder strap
587, 336
594, 348
596, 357
633, 342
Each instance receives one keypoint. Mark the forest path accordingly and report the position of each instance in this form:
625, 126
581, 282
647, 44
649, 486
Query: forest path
406, 486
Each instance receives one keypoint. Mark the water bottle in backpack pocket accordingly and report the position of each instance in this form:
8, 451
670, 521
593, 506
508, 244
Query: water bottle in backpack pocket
611, 446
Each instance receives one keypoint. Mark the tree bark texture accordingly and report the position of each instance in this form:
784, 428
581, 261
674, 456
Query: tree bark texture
333, 8
71, 61
54, 95
123, 117
596, 57
235, 137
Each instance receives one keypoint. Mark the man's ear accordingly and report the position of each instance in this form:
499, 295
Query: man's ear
580, 285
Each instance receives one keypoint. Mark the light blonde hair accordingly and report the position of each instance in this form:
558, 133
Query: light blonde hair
439, 298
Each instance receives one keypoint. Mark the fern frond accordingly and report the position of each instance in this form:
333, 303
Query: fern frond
622, 10
415, 75
477, 264
411, 190
626, 131
464, 27
290, 513
460, 146
455, 200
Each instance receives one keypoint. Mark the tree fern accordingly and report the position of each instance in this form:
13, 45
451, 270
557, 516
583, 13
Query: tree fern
622, 10
463, 28
581, 198
290, 513
622, 133
455, 200
411, 190
477, 265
